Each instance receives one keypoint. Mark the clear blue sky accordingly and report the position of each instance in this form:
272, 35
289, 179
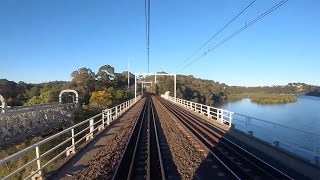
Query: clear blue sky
47, 40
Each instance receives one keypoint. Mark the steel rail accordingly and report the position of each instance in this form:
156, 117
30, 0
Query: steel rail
214, 139
142, 154
201, 143
226, 141
155, 127
123, 165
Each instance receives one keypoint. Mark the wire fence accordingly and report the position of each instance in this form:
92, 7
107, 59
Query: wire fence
298, 142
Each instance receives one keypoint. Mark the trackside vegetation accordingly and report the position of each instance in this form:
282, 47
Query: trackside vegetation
105, 88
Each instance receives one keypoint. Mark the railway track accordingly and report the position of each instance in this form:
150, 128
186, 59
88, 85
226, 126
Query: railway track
231, 160
143, 157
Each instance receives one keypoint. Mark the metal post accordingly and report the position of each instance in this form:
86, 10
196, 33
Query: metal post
116, 111
72, 149
108, 116
142, 87
3, 104
155, 79
77, 98
73, 142
91, 125
135, 87
208, 111
91, 129
175, 86
38, 160
123, 108
103, 117
128, 73
221, 114
4, 107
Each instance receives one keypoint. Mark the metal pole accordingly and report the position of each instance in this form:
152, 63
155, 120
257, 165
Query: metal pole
142, 88
128, 73
135, 87
109, 116
175, 86
38, 159
73, 142
148, 58
3, 104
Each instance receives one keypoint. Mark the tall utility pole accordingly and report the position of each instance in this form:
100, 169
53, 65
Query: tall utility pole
128, 73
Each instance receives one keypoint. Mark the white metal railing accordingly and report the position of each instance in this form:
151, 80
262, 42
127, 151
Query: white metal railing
93, 124
296, 141
221, 116
299, 142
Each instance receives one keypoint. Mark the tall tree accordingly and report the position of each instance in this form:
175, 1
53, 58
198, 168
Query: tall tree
84, 81
106, 75
82, 75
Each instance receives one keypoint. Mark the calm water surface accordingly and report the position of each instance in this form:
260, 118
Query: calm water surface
303, 114
302, 117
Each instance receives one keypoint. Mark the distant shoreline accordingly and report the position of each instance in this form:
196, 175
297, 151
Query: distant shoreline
264, 98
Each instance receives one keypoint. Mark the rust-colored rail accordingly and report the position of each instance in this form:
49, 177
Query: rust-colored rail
238, 162
142, 158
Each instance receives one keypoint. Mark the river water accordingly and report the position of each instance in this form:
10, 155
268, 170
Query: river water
294, 126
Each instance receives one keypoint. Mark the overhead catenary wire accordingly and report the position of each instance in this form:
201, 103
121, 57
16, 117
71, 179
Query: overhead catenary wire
217, 33
147, 18
237, 32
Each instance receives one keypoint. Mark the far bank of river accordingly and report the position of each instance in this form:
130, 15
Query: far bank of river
264, 98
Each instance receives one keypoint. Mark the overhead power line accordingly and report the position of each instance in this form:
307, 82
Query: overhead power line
147, 17
237, 32
224, 27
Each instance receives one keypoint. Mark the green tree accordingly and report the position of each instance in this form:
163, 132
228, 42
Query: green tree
83, 81
106, 75
44, 98
35, 91
100, 99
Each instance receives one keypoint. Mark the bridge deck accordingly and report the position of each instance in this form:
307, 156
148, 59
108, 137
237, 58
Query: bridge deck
280, 159
88, 161
89, 151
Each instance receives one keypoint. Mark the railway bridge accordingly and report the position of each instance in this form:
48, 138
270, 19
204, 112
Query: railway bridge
160, 137
20, 123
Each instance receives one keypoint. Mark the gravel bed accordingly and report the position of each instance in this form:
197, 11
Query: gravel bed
186, 156
106, 160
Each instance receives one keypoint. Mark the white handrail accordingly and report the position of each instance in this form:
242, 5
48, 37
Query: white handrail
101, 120
220, 115
251, 125
299, 142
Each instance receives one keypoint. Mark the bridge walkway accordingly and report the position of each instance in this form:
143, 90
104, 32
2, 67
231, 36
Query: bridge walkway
73, 165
